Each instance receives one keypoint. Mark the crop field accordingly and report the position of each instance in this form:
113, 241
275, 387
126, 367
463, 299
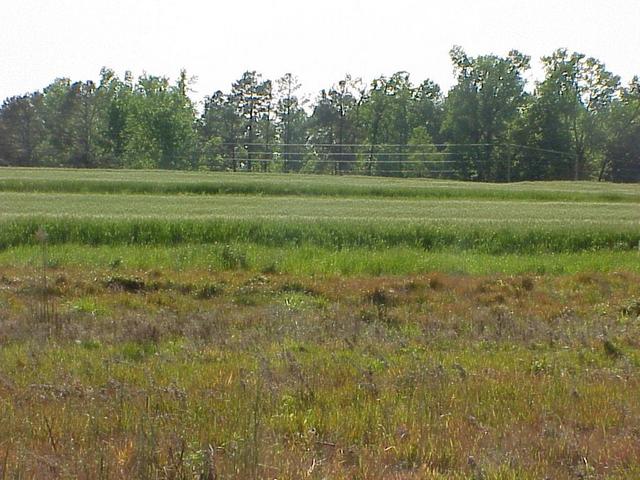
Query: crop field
159, 182
169, 325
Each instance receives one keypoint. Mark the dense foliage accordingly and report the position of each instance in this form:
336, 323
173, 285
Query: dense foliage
579, 122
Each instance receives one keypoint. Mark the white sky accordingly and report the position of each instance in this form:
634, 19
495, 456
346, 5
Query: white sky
318, 40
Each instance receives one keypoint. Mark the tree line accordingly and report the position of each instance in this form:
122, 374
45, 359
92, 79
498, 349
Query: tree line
577, 123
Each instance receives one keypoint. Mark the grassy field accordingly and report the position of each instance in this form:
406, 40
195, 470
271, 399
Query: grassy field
171, 182
208, 326
314, 260
496, 213
495, 226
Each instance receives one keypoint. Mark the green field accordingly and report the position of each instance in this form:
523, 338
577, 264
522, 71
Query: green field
175, 207
231, 326
426, 215
159, 182
314, 260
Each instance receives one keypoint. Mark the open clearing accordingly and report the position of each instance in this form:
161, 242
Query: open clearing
186, 326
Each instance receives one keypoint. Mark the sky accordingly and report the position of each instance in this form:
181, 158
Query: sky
317, 40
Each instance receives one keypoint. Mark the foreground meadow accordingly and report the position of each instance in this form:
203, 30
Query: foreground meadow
126, 374
150, 333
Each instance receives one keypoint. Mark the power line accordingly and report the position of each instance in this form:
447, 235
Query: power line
367, 145
367, 154
547, 150
362, 162
396, 145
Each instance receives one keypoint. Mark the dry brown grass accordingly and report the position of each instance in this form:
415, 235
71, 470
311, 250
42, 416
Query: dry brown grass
237, 375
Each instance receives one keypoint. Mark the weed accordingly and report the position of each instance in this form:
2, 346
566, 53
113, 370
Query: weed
207, 291
136, 352
116, 263
232, 258
632, 308
45, 310
611, 350
126, 284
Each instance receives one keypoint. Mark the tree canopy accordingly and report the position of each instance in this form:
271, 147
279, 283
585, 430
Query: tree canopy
578, 122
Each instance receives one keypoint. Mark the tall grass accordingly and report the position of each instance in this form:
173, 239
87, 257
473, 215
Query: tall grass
172, 182
325, 233
495, 226
314, 260
495, 212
